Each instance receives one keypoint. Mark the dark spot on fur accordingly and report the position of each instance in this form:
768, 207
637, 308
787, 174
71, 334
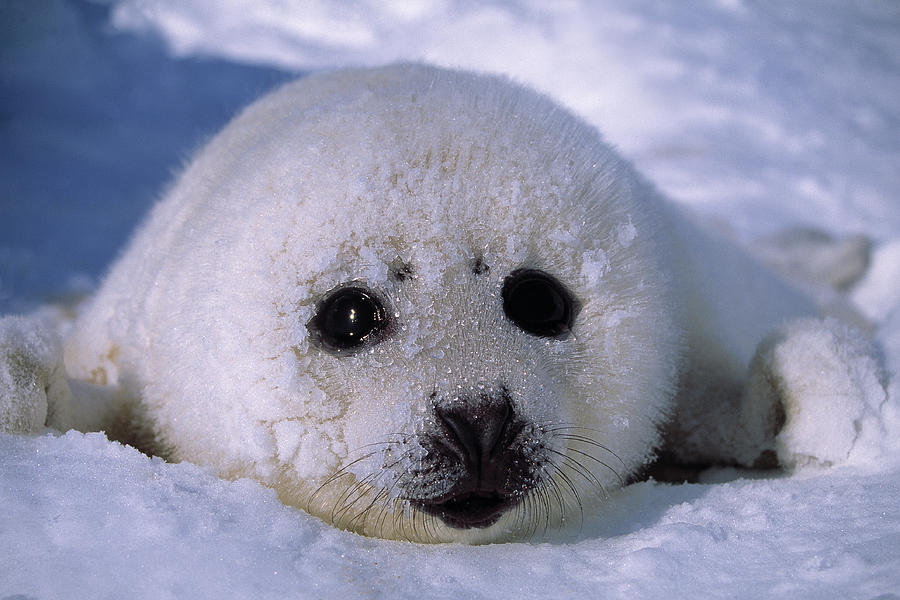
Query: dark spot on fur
399, 270
478, 266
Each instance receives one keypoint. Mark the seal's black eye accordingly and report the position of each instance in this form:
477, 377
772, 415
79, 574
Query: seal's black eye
538, 303
348, 319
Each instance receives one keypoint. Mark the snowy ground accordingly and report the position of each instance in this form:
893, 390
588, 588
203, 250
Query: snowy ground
761, 115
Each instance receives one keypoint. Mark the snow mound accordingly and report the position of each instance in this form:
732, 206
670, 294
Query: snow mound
88, 518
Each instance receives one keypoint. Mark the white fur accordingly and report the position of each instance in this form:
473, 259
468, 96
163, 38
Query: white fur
199, 331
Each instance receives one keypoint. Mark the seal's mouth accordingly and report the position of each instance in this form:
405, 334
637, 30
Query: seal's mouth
470, 510
474, 454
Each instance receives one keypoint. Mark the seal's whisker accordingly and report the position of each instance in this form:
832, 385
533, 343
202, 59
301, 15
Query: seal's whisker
344, 503
585, 440
571, 486
366, 509
545, 502
579, 468
364, 486
340, 473
600, 462
553, 488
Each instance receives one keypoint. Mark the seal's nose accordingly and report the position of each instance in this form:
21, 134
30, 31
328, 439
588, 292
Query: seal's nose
478, 431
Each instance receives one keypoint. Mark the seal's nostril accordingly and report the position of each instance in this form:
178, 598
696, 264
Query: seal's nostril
464, 436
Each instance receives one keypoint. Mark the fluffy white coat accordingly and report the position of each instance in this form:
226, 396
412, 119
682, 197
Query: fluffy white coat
197, 346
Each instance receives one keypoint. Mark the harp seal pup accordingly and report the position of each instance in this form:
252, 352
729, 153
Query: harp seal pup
432, 305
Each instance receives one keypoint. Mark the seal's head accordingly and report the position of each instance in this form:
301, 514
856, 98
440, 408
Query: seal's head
418, 303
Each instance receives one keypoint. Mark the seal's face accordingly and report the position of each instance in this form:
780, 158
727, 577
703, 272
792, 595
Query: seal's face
433, 307
482, 438
458, 420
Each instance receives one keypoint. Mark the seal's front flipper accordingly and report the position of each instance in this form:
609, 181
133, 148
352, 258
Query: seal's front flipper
34, 392
816, 384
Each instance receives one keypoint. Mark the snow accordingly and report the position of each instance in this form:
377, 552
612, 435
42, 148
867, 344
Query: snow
87, 518
760, 116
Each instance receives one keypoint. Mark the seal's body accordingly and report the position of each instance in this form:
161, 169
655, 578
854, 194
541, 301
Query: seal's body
430, 305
